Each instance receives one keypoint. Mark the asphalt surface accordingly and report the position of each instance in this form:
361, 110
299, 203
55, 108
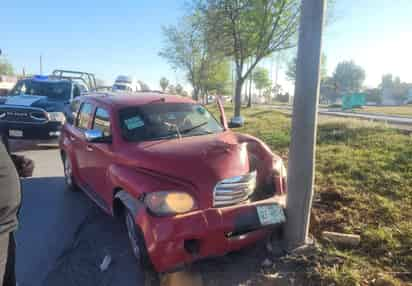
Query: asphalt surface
63, 237
398, 122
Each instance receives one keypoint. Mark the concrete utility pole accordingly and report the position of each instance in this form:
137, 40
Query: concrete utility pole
41, 65
301, 165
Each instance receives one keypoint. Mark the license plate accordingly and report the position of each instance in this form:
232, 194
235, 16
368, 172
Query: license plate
15, 133
270, 214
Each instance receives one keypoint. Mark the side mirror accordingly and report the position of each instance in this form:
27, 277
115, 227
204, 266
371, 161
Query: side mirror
96, 136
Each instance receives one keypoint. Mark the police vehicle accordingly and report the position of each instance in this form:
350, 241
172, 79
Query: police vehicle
38, 106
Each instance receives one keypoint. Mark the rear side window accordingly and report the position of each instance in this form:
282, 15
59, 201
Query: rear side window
84, 116
102, 121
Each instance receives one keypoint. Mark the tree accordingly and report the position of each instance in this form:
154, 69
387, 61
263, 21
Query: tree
261, 79
6, 68
164, 82
179, 89
328, 92
291, 69
374, 95
186, 49
217, 77
172, 89
250, 30
387, 81
348, 76
143, 86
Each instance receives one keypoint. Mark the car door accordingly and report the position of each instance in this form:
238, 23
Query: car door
82, 123
99, 157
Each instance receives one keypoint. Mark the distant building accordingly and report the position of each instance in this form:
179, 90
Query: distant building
6, 83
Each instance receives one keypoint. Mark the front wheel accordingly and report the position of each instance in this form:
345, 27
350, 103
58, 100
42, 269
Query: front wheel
139, 250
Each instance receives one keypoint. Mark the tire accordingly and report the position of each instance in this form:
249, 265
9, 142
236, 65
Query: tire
139, 250
68, 174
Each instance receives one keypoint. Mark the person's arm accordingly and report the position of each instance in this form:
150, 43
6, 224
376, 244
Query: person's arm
24, 166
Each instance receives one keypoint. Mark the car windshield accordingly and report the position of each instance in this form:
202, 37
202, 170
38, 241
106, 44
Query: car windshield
119, 87
166, 120
53, 90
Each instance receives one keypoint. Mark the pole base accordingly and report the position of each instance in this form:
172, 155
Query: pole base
236, 121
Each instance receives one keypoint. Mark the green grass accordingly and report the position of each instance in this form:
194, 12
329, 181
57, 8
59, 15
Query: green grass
363, 185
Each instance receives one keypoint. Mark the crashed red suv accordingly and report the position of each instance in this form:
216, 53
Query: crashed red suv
187, 186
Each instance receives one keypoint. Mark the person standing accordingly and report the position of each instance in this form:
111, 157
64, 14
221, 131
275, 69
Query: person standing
11, 167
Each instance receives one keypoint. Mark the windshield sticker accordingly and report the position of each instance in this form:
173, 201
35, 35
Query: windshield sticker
134, 122
202, 110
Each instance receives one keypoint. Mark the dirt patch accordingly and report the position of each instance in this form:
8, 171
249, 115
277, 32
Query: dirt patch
323, 215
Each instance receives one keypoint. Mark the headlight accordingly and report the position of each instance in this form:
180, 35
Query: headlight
279, 168
169, 203
57, 116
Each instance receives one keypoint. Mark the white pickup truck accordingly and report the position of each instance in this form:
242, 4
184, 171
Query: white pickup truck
125, 83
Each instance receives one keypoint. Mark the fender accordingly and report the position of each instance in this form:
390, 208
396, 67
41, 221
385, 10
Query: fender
136, 182
263, 156
131, 203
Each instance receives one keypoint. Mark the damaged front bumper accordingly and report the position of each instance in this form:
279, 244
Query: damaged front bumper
175, 241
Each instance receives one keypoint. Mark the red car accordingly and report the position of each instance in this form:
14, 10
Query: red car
187, 186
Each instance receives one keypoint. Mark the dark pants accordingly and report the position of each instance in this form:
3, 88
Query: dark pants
8, 260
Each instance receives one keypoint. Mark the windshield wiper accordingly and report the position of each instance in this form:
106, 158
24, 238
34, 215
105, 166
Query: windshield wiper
193, 128
169, 136
175, 127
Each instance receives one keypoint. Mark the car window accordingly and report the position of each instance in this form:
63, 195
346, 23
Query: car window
166, 120
102, 121
84, 116
59, 90
73, 110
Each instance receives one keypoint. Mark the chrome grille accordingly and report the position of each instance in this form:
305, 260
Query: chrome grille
234, 190
22, 115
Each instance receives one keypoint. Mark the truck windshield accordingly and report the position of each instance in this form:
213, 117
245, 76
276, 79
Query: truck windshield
53, 90
166, 120
119, 87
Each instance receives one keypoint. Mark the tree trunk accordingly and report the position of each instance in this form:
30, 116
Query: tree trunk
238, 97
249, 104
195, 94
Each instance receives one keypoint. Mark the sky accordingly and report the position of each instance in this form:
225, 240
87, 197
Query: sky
111, 38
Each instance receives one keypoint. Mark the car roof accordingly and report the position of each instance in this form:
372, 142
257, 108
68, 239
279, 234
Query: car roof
124, 99
45, 80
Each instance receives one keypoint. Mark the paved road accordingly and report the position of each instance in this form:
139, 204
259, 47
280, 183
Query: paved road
399, 122
63, 237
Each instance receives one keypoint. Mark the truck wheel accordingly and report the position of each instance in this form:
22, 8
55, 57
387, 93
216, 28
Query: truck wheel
68, 174
139, 249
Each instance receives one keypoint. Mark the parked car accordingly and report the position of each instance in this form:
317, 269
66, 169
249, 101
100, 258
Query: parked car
37, 107
187, 186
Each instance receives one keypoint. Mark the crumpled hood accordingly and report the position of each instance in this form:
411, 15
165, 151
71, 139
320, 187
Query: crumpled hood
200, 160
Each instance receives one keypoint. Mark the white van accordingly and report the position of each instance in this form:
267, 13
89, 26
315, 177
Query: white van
125, 84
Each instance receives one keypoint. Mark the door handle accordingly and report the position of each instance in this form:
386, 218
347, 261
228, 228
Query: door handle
89, 148
72, 138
